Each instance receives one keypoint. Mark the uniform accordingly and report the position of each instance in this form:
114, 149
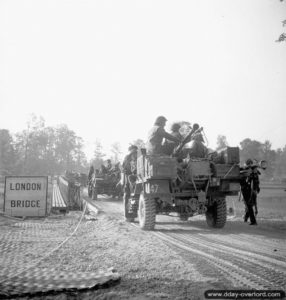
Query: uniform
129, 167
197, 148
169, 146
250, 188
155, 139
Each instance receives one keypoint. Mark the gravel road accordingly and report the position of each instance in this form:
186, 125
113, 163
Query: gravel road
178, 260
238, 256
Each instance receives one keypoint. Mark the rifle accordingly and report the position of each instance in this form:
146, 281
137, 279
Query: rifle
186, 139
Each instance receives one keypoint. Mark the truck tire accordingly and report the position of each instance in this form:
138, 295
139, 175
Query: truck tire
183, 214
129, 217
183, 217
216, 214
147, 212
94, 194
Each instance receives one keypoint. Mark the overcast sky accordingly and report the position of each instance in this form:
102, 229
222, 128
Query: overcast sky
107, 69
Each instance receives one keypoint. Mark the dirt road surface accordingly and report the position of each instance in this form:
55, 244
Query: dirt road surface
238, 256
178, 260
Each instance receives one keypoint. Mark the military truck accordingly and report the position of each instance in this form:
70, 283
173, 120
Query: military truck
188, 186
104, 184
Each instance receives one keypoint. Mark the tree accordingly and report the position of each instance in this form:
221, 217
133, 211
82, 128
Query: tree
7, 153
270, 156
280, 163
139, 143
250, 149
65, 145
282, 36
80, 161
97, 161
221, 142
259, 151
116, 150
30, 147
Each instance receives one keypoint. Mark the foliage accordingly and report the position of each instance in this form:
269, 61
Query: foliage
139, 143
260, 151
221, 142
42, 150
39, 150
98, 160
282, 36
116, 150
7, 153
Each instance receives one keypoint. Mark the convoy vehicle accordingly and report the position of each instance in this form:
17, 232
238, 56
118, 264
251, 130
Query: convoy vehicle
104, 184
188, 186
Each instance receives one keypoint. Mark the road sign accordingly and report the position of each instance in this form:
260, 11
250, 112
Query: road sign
26, 196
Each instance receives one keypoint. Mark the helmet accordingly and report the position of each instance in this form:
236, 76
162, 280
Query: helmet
196, 126
132, 148
175, 127
160, 120
249, 162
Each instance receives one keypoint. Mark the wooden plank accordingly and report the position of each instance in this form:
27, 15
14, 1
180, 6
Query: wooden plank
58, 202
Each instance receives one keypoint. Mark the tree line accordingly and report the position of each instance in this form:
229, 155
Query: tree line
41, 149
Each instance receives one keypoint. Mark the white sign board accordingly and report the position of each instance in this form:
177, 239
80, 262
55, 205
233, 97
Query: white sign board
26, 196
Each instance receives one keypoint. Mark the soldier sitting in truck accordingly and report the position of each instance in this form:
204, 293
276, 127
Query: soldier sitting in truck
105, 170
156, 136
168, 145
108, 166
197, 148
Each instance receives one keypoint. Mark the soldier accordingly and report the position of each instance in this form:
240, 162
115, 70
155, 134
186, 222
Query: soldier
108, 165
129, 165
168, 145
91, 171
130, 160
156, 136
197, 148
250, 188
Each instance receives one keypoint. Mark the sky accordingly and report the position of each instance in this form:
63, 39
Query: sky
107, 69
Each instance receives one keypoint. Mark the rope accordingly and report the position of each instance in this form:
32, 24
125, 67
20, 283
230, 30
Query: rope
53, 250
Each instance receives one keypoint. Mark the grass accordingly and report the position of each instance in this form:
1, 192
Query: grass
271, 204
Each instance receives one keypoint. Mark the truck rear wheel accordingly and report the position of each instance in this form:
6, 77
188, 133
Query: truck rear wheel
147, 212
216, 214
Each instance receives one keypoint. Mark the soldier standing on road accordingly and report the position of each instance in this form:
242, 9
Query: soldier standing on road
250, 188
129, 165
91, 171
156, 136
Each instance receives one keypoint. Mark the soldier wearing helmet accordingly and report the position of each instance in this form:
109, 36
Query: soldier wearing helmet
170, 145
129, 167
108, 165
175, 130
156, 136
197, 147
249, 189
130, 161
